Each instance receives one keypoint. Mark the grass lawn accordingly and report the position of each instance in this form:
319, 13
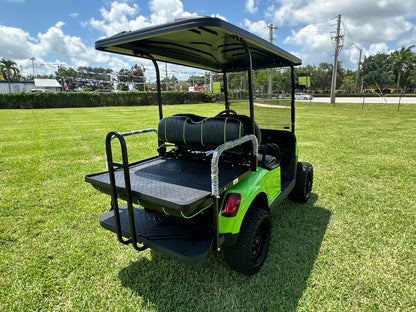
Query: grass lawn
352, 248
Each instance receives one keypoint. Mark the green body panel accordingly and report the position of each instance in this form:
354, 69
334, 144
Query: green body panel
261, 181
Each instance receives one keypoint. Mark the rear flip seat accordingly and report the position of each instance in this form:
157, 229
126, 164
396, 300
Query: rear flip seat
208, 132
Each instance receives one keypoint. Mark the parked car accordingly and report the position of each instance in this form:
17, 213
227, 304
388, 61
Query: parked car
303, 96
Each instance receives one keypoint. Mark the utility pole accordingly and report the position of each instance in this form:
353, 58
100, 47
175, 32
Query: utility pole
357, 77
338, 46
270, 86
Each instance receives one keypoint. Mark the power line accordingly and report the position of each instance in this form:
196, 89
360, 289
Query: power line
347, 32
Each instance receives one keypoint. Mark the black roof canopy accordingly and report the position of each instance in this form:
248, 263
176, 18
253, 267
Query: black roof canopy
202, 42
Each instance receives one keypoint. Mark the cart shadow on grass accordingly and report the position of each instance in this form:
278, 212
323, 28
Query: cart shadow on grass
168, 285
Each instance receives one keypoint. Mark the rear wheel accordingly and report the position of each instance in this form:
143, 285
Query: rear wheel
304, 181
249, 253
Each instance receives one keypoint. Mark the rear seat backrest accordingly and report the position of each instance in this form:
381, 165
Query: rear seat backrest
208, 132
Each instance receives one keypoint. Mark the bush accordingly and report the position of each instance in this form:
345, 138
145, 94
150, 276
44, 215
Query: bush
95, 99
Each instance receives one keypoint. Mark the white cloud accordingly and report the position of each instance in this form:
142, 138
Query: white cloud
307, 11
16, 43
251, 6
375, 25
55, 41
305, 25
164, 11
217, 15
409, 39
378, 48
259, 28
312, 37
367, 21
19, 46
316, 45
124, 17
352, 54
117, 63
120, 17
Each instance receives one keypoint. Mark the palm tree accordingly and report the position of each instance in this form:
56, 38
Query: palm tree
402, 59
8, 70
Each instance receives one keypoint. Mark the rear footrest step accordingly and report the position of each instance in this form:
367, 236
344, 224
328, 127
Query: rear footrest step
185, 242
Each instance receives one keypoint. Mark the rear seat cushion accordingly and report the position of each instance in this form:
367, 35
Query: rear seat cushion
207, 132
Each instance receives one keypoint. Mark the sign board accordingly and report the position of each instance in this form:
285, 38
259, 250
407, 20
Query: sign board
216, 87
305, 81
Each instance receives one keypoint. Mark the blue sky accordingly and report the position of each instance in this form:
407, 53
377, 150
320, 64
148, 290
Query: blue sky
64, 32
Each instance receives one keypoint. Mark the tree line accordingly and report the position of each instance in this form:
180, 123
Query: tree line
381, 72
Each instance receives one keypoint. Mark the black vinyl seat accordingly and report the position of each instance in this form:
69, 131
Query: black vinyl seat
199, 132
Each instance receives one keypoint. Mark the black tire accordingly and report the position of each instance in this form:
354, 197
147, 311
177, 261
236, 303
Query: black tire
304, 182
249, 253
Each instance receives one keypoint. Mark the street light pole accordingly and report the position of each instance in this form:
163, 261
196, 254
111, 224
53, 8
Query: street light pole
270, 86
33, 66
357, 77
144, 77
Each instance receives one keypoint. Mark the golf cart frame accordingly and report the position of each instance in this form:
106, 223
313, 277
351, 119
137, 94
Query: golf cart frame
215, 187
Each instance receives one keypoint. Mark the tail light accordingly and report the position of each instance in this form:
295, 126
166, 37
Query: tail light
232, 204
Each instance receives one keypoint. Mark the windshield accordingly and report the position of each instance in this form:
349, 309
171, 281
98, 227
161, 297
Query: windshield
272, 109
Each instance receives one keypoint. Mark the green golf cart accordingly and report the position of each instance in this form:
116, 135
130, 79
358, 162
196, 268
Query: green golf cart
215, 179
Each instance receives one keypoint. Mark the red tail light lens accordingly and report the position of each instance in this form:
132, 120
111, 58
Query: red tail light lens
232, 204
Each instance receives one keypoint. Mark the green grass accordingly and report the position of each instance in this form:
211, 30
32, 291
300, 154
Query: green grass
352, 248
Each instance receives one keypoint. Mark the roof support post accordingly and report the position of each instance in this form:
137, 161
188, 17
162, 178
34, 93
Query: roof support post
225, 80
292, 100
162, 148
159, 92
250, 84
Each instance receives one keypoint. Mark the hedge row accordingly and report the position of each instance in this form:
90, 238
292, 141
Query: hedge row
94, 99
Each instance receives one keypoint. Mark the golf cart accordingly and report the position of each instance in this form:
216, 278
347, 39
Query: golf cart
215, 179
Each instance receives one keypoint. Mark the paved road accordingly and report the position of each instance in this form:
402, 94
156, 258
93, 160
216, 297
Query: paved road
385, 100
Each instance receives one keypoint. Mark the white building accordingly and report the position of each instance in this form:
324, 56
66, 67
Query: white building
50, 85
16, 86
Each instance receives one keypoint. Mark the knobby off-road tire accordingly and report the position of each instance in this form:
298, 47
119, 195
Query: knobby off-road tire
249, 253
304, 182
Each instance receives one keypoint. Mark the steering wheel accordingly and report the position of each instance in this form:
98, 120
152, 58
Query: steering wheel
227, 112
